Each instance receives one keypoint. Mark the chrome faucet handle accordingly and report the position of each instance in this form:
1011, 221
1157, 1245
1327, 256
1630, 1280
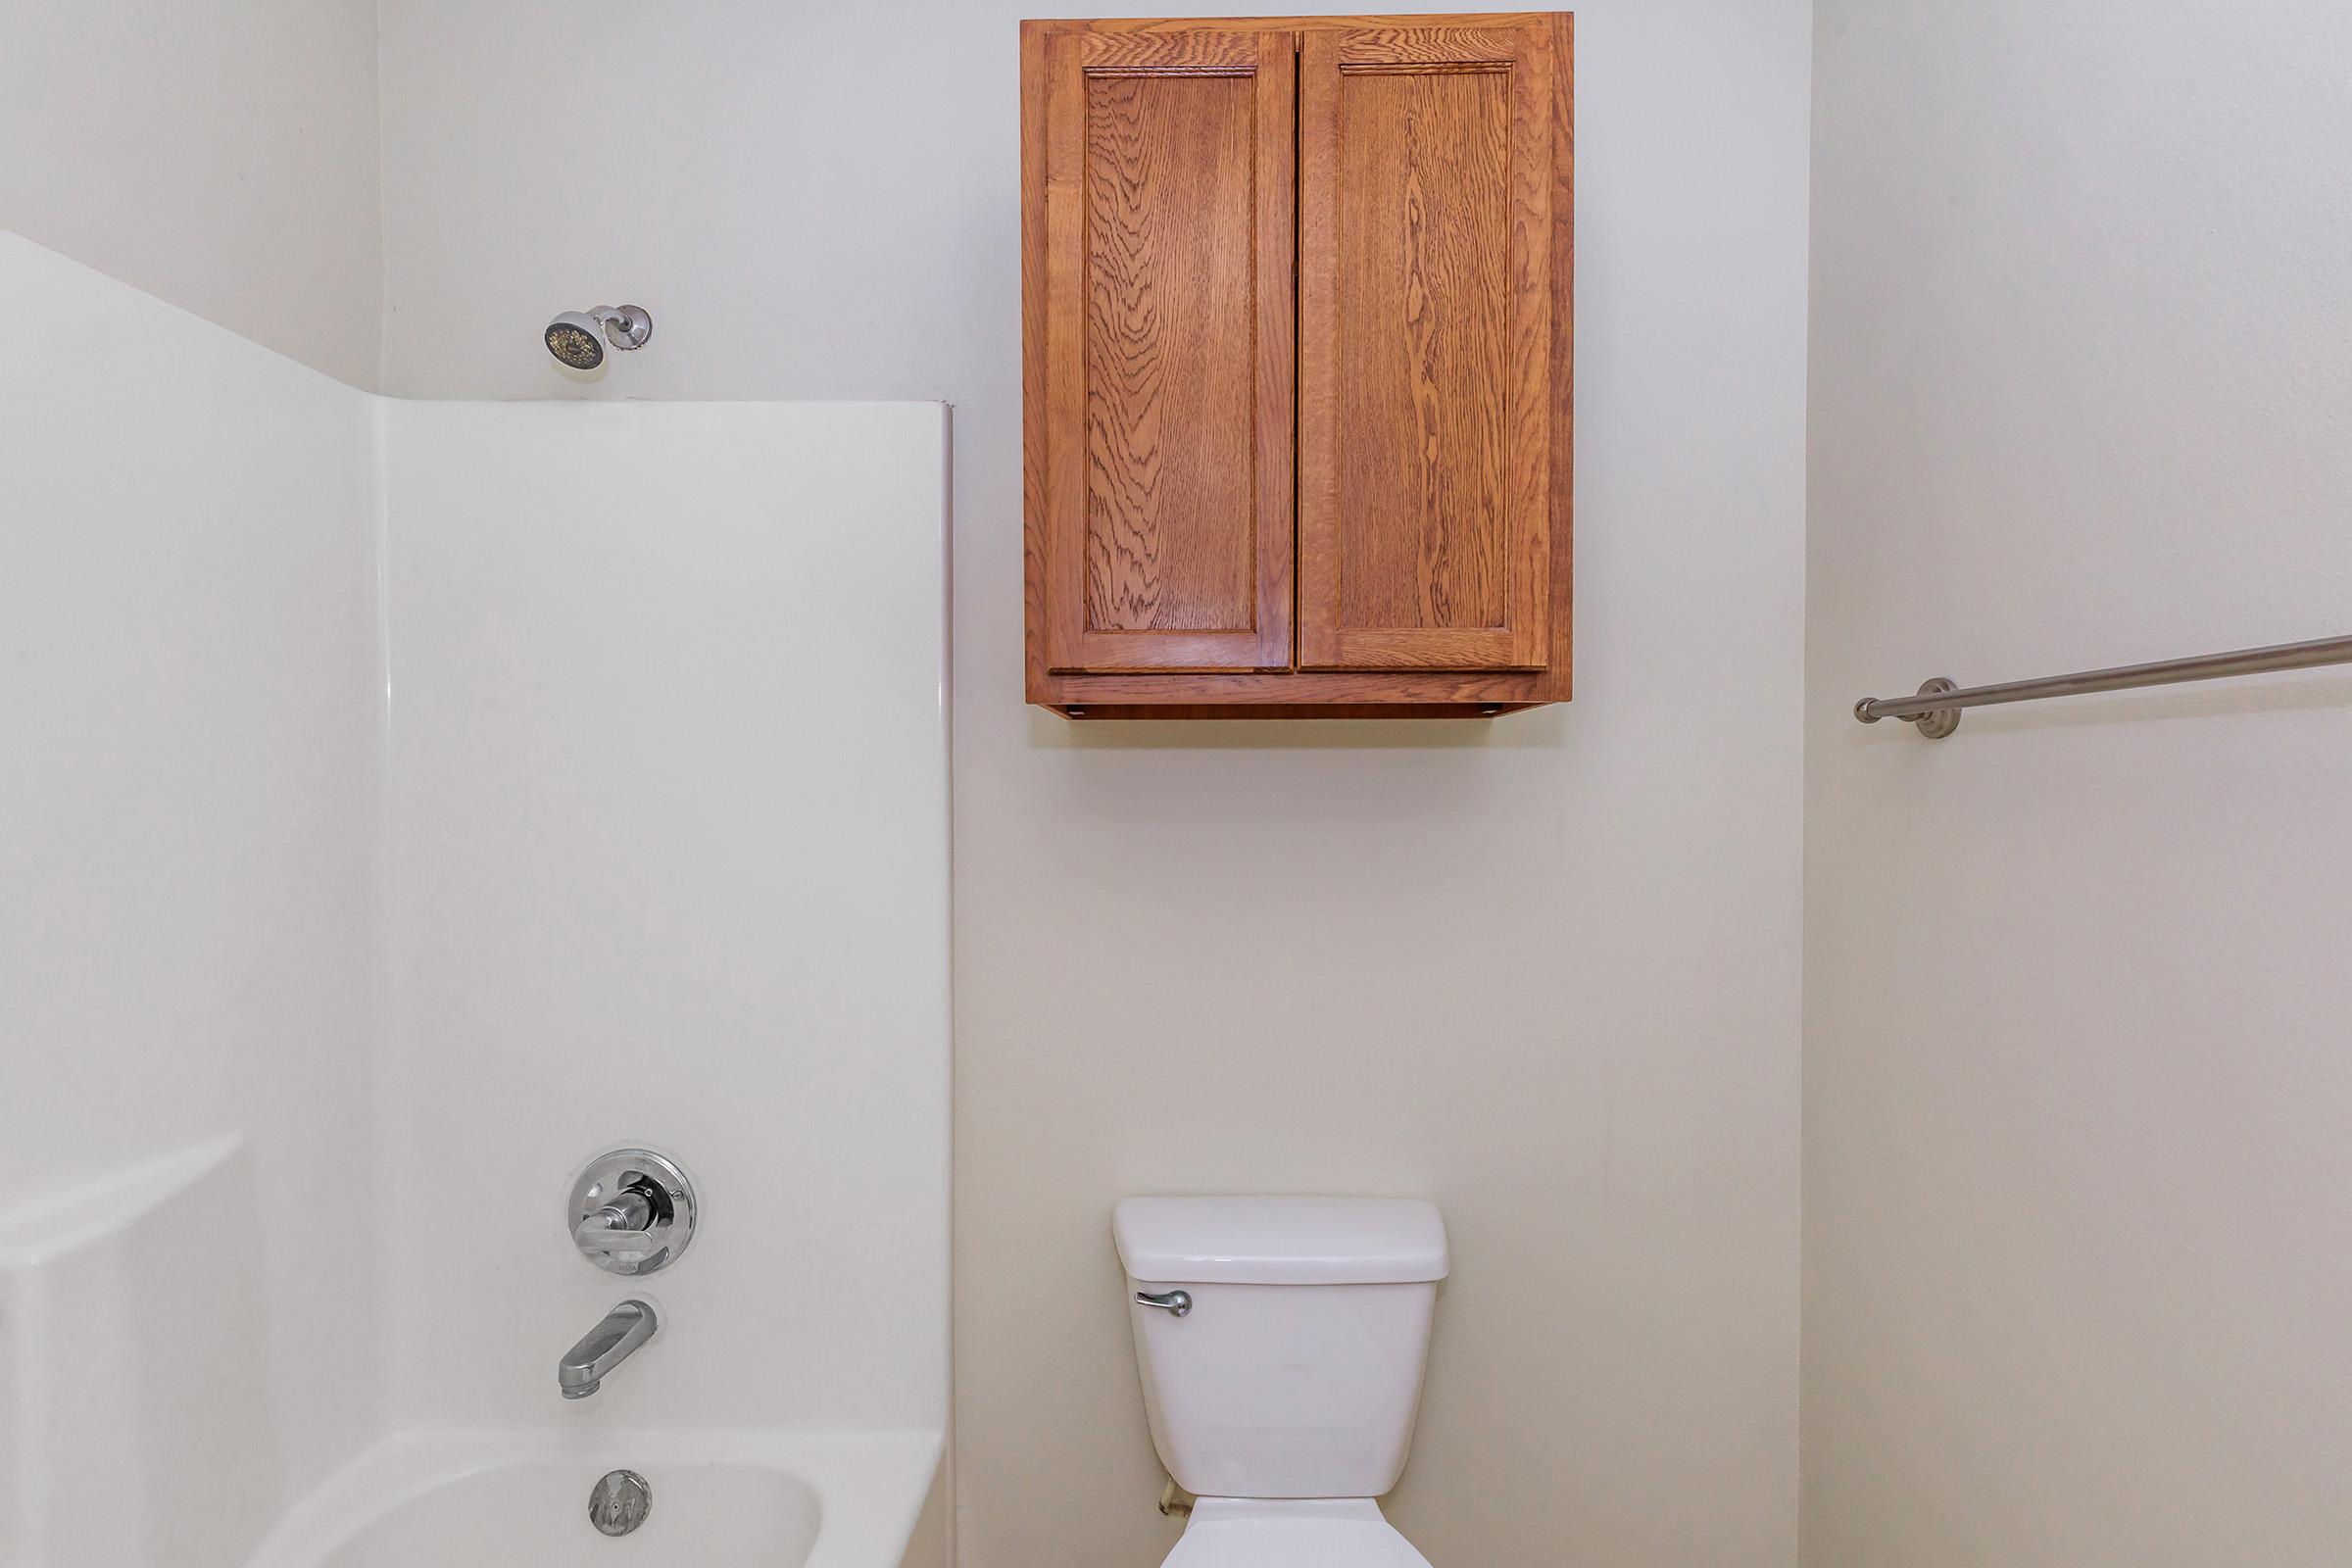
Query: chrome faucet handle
624, 1227
601, 1238
632, 1212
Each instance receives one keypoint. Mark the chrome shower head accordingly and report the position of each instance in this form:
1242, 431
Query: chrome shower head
573, 337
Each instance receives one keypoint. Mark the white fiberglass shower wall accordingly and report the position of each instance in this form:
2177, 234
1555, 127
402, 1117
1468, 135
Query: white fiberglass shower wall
407, 802
190, 1312
667, 839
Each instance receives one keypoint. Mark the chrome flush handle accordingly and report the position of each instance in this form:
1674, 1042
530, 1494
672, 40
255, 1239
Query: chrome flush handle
1178, 1302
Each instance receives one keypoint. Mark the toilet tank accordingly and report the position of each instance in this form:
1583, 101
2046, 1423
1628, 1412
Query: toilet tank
1296, 1370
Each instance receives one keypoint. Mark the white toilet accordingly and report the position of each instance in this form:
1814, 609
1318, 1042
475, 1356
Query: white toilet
1282, 1342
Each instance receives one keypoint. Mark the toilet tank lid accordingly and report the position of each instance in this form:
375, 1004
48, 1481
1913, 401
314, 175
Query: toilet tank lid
1281, 1240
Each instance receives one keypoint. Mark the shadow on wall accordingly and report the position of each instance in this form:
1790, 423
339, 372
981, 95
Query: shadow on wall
927, 1544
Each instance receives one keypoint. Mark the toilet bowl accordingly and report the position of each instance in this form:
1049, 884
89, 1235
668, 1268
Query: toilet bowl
1280, 1344
1266, 1533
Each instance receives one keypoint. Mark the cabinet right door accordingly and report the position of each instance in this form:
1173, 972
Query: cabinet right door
1427, 175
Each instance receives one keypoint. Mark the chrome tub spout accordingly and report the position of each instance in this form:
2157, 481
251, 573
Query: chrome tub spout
621, 1334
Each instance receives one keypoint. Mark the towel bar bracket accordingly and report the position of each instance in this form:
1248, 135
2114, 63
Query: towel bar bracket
1935, 723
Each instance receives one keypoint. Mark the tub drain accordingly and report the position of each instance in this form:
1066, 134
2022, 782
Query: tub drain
620, 1502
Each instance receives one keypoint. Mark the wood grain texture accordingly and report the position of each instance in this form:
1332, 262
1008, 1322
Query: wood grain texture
1115, 26
1167, 379
1413, 48
1422, 320
1169, 528
1035, 565
1269, 711
1426, 175
1277, 348
1559, 603
1528, 375
1187, 682
1235, 54
1066, 349
1319, 294
1243, 688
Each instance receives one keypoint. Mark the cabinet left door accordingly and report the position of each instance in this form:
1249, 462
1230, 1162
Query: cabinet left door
1160, 346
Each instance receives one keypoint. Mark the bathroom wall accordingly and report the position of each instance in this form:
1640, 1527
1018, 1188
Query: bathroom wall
667, 858
1544, 970
187, 688
221, 157
2076, 1189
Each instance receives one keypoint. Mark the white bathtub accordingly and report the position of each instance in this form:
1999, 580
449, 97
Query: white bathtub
737, 1499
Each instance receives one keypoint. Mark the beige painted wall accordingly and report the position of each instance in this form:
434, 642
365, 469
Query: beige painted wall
221, 157
2077, 1192
1544, 971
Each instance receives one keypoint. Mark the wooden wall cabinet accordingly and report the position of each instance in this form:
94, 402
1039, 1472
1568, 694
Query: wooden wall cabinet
1296, 327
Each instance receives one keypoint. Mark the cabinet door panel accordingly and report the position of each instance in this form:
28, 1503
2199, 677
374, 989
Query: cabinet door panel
1169, 351
1425, 348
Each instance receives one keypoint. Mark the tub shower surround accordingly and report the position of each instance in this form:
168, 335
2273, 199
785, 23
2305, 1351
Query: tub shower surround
431, 797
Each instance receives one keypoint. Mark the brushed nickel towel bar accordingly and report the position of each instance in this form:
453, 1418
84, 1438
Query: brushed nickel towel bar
1936, 708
